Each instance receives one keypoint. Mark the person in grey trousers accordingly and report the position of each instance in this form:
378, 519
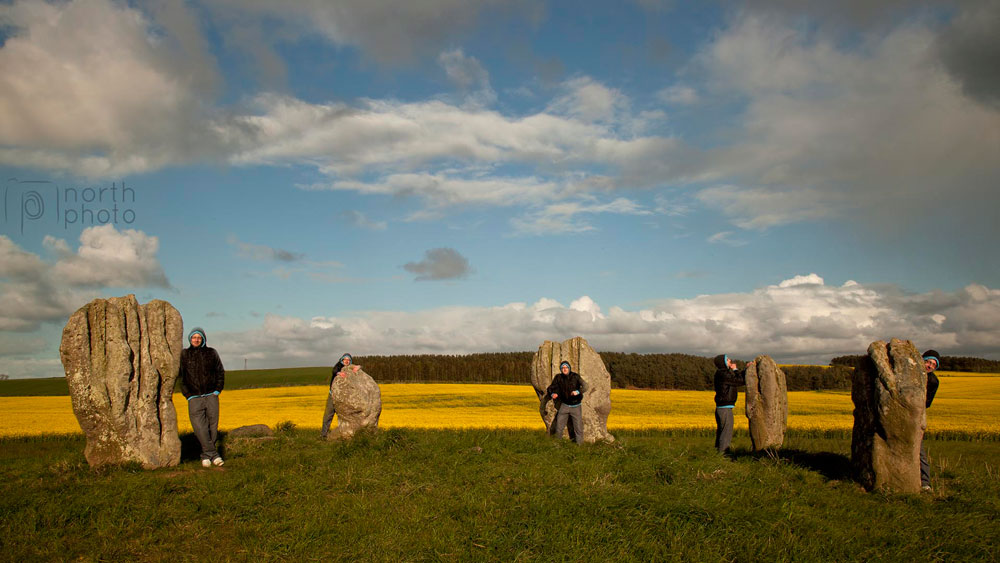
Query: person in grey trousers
341, 369
567, 388
932, 361
202, 378
726, 381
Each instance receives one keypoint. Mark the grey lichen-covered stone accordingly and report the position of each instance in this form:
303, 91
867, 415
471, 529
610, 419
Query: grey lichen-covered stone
766, 403
250, 431
357, 400
121, 361
889, 390
586, 362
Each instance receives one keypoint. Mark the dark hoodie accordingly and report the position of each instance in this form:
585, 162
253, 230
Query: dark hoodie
201, 369
726, 382
339, 367
932, 379
563, 386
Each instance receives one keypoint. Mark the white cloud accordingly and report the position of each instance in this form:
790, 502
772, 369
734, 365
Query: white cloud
128, 101
33, 291
834, 128
109, 258
764, 208
589, 101
262, 252
798, 320
359, 219
726, 237
563, 217
389, 32
469, 75
442, 190
440, 264
811, 279
678, 95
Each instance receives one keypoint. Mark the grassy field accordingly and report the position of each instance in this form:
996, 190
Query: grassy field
500, 495
964, 405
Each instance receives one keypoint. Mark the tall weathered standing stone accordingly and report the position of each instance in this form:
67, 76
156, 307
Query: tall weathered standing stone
358, 402
586, 362
766, 403
121, 361
888, 391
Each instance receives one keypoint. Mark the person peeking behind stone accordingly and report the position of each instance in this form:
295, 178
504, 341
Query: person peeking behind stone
932, 361
342, 369
567, 390
202, 378
726, 381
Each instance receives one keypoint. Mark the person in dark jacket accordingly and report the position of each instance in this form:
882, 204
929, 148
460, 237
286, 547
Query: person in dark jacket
342, 368
932, 360
567, 390
727, 379
202, 378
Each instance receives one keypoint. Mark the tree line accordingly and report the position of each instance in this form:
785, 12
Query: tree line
948, 363
636, 371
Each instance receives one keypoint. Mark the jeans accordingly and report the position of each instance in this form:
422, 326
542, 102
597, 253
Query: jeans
327, 416
723, 429
204, 414
575, 416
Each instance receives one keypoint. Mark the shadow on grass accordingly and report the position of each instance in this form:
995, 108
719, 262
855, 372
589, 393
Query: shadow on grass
191, 447
833, 467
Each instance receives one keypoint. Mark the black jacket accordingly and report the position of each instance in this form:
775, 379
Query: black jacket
201, 371
563, 385
726, 382
932, 385
336, 369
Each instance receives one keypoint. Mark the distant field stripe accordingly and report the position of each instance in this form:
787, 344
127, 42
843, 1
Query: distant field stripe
963, 404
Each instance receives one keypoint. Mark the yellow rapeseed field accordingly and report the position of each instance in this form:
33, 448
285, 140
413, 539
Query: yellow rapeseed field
965, 402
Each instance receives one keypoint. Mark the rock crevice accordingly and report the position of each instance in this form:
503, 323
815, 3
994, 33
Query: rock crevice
586, 362
121, 360
889, 391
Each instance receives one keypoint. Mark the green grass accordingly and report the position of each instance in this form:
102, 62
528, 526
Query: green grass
407, 495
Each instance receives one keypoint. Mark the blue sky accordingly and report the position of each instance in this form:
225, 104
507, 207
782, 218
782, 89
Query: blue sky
444, 176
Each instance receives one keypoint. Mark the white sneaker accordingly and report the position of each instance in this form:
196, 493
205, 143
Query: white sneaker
218, 462
206, 463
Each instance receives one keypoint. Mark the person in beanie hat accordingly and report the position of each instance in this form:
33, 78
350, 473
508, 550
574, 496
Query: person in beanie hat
202, 378
726, 380
342, 369
567, 390
932, 361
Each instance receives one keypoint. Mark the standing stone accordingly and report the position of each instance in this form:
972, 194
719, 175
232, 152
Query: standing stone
121, 361
766, 403
888, 391
357, 400
586, 362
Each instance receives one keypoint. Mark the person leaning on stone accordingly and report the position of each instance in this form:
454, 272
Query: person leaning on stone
202, 378
727, 379
567, 388
342, 368
932, 360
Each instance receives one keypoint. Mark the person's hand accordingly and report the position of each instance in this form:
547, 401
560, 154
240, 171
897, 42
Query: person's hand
356, 368
575, 393
555, 396
341, 374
